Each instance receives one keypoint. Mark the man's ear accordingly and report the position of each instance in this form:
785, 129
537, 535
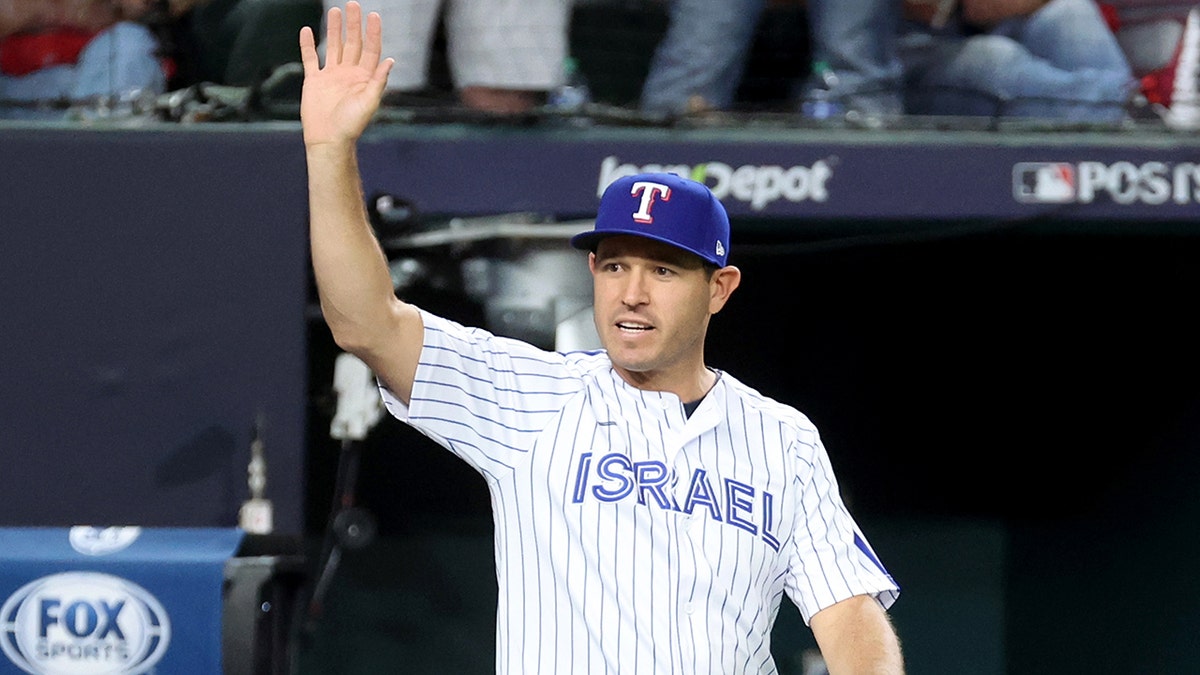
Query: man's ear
722, 285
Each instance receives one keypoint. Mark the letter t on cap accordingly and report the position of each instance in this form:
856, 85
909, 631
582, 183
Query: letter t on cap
648, 192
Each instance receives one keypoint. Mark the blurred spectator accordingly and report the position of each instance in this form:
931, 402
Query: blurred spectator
1045, 59
698, 64
855, 51
55, 54
1162, 42
701, 58
503, 55
237, 43
170, 21
877, 59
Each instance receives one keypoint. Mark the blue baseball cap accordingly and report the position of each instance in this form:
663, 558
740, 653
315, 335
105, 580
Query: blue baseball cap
665, 207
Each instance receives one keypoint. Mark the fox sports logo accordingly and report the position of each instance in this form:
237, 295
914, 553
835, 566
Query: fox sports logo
83, 622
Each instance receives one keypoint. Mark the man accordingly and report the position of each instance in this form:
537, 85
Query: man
650, 511
875, 60
76, 52
503, 56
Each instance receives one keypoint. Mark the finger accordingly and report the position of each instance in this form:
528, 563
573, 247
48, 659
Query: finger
352, 51
333, 36
379, 77
308, 51
373, 48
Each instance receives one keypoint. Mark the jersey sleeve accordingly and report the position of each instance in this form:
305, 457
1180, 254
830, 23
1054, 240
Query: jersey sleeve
484, 397
829, 559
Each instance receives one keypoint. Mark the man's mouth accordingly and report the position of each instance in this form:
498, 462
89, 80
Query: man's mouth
634, 327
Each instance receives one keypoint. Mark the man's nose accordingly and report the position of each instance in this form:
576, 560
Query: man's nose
634, 293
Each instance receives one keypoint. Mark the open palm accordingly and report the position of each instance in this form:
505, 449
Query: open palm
339, 99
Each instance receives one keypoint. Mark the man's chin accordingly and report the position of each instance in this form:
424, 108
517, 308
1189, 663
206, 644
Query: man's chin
630, 365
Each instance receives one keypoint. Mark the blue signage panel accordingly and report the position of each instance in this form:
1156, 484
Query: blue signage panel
795, 174
112, 601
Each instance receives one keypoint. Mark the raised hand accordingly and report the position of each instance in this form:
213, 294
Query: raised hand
339, 99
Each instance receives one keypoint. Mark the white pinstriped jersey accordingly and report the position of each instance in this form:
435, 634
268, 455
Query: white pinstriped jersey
629, 537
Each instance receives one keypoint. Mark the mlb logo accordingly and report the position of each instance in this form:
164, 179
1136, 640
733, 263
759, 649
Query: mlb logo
1044, 183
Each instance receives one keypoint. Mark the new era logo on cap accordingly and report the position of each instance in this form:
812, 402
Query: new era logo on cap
665, 207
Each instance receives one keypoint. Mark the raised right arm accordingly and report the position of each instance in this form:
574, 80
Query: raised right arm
353, 282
